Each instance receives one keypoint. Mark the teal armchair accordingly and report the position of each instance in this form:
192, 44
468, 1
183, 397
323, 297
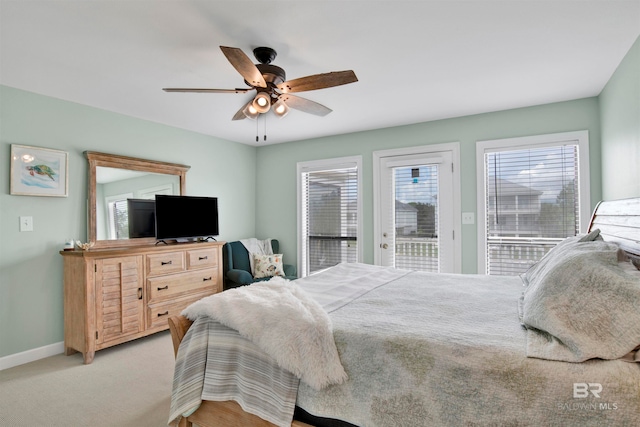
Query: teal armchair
238, 268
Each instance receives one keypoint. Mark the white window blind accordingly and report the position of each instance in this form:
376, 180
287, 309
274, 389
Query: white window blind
329, 217
119, 219
532, 202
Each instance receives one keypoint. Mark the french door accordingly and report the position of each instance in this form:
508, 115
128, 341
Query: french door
416, 211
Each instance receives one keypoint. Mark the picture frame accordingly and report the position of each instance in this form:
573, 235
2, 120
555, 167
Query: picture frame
37, 171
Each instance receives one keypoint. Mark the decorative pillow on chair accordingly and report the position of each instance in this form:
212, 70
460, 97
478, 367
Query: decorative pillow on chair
267, 266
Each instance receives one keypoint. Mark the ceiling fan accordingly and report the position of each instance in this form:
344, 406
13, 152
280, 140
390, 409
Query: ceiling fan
273, 90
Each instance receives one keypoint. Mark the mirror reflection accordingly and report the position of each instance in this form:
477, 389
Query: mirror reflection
120, 190
119, 185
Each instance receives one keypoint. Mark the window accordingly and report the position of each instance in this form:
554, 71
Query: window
117, 219
533, 192
329, 213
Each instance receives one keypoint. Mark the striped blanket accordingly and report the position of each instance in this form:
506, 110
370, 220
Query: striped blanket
269, 335
215, 363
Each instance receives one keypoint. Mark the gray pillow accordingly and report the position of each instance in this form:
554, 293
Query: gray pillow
581, 305
558, 250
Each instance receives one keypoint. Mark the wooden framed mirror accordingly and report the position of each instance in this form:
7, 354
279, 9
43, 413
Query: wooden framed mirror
113, 180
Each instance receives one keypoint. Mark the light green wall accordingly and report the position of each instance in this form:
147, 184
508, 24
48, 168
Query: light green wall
31, 312
276, 174
261, 200
620, 122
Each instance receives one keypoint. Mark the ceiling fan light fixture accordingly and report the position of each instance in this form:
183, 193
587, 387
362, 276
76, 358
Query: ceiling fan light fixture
262, 102
250, 112
272, 86
280, 108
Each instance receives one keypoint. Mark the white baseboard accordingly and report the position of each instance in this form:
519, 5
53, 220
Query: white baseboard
32, 355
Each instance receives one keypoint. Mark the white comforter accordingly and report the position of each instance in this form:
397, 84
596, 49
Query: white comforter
447, 350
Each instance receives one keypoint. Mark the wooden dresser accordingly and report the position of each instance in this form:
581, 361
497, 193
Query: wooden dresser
116, 295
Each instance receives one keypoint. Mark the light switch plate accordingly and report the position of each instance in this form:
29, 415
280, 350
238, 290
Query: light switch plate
468, 218
26, 223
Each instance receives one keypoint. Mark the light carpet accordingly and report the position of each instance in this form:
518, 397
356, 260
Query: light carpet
126, 385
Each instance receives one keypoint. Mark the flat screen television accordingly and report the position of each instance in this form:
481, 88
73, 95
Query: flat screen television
141, 214
186, 217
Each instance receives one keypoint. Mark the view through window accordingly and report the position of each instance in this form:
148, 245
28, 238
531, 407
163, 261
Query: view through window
329, 216
532, 202
416, 218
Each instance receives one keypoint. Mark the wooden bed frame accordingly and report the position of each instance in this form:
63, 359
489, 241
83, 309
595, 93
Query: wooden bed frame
618, 221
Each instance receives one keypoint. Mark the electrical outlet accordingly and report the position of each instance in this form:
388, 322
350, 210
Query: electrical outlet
26, 223
468, 218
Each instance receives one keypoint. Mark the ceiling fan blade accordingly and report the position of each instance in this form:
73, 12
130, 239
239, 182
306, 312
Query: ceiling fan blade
305, 105
177, 89
318, 81
244, 65
239, 114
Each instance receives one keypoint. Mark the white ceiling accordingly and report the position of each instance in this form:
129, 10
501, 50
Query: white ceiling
415, 60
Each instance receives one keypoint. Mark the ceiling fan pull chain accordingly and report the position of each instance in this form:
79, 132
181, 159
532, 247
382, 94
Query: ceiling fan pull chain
265, 127
257, 128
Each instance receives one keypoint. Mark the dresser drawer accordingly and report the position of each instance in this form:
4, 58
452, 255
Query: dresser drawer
157, 314
164, 263
177, 284
202, 258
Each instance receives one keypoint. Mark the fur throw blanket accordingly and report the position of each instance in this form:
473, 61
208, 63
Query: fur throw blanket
284, 322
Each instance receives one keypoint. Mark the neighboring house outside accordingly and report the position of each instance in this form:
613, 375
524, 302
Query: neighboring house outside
517, 211
406, 219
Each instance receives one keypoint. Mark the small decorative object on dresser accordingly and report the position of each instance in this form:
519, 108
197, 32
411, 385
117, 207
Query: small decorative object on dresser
84, 246
116, 295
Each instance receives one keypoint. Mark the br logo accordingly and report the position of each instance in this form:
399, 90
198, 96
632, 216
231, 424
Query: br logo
582, 390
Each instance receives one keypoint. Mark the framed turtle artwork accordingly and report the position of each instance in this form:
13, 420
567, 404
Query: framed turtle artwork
37, 171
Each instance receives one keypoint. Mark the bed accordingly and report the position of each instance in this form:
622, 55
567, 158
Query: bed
427, 349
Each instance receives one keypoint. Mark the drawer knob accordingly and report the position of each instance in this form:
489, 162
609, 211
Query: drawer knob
165, 262
163, 314
202, 257
204, 279
164, 288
